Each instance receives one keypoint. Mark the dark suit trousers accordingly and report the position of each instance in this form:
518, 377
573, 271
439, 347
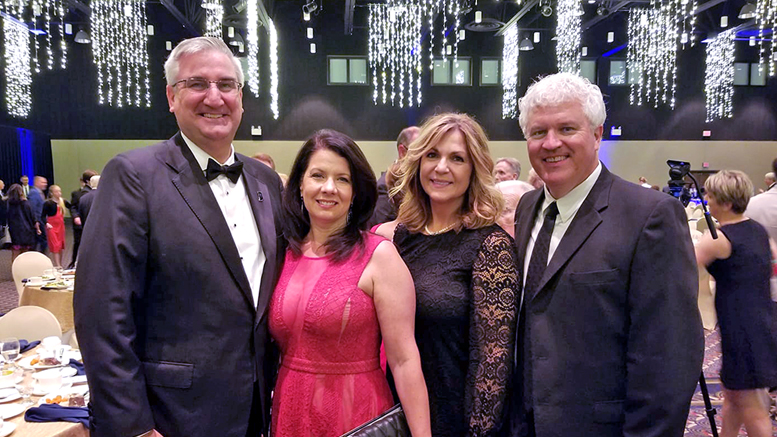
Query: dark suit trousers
77, 231
256, 423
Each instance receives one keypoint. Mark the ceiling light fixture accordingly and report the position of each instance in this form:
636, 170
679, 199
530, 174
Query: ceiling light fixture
525, 45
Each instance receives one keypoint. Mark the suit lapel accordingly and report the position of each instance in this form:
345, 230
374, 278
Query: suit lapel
195, 191
261, 205
586, 220
525, 216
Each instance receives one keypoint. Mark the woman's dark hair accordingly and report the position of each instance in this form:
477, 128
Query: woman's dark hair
15, 194
296, 222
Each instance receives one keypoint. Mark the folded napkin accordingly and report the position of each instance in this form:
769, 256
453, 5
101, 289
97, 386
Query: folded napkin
58, 413
27, 345
79, 366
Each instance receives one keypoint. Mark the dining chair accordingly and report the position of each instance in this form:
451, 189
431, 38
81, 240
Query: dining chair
29, 264
30, 323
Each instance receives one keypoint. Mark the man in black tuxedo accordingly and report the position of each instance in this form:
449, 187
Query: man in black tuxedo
385, 210
610, 338
78, 227
177, 266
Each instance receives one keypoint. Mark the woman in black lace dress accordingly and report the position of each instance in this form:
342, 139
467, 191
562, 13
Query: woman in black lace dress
463, 267
740, 261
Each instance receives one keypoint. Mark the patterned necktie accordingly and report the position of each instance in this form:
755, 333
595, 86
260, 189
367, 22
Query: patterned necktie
537, 265
231, 171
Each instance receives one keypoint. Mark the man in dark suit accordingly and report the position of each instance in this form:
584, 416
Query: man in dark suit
75, 197
85, 202
610, 338
178, 262
37, 197
385, 210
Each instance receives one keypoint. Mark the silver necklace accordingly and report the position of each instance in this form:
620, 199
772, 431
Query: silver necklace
441, 231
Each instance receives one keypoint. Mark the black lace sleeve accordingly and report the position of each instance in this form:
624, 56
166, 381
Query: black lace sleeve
494, 291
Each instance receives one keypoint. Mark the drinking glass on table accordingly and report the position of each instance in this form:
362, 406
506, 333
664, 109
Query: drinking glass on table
10, 349
58, 273
25, 387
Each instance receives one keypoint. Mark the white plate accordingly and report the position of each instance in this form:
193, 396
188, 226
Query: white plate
25, 363
11, 410
65, 391
7, 429
11, 384
10, 395
39, 391
64, 371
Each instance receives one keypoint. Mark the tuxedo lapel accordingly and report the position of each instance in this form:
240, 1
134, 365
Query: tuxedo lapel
585, 222
261, 205
524, 222
190, 182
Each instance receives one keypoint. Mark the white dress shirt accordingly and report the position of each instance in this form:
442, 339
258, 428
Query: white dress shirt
236, 207
567, 209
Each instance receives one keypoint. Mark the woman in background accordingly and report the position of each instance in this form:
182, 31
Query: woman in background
22, 224
463, 267
54, 209
340, 291
740, 261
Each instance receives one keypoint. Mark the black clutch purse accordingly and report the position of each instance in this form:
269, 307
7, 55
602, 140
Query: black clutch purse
391, 423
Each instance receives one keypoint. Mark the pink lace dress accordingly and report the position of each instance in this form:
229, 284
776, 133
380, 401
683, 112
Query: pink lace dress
330, 379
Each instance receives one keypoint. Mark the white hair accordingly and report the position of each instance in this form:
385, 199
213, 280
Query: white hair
561, 88
196, 45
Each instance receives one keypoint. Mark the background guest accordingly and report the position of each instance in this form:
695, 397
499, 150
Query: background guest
340, 291
462, 265
534, 180
507, 169
268, 161
36, 197
740, 261
24, 181
512, 191
763, 208
85, 202
385, 208
78, 227
54, 211
21, 222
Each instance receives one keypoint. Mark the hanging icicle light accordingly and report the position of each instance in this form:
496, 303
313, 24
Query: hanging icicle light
214, 14
683, 14
719, 78
274, 70
120, 51
395, 53
252, 39
766, 20
652, 57
568, 33
18, 73
510, 73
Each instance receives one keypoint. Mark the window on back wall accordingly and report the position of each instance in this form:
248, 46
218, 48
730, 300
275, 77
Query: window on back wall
588, 69
449, 72
620, 74
347, 70
490, 72
747, 74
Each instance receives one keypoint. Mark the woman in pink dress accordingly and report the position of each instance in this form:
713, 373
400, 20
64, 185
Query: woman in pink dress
342, 290
54, 209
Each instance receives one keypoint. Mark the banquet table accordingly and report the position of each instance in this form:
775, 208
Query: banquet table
47, 429
59, 302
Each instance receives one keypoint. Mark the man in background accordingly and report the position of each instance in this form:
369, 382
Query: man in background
610, 339
85, 202
512, 192
763, 207
507, 169
78, 226
385, 210
24, 181
36, 198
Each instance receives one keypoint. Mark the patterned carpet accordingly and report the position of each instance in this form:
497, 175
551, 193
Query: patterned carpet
698, 424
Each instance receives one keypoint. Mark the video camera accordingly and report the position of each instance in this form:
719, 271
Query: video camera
677, 185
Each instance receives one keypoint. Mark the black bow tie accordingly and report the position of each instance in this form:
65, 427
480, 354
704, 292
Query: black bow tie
231, 171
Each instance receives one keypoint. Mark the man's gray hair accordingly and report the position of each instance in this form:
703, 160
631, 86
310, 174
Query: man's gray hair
561, 88
514, 164
197, 45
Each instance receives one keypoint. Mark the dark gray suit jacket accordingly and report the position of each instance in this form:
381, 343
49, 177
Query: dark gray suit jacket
615, 331
163, 308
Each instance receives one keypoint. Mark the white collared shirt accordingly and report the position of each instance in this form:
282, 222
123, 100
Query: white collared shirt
236, 207
567, 209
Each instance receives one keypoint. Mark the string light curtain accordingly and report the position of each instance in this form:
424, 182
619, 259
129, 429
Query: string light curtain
719, 77
120, 51
766, 20
652, 57
395, 53
274, 70
43, 12
214, 14
510, 73
568, 30
18, 72
252, 41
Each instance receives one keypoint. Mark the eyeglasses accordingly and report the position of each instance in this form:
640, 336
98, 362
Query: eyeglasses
198, 84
